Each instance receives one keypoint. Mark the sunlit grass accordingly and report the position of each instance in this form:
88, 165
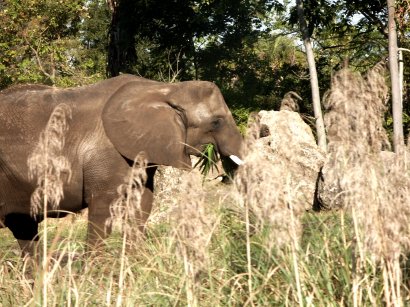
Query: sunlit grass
155, 275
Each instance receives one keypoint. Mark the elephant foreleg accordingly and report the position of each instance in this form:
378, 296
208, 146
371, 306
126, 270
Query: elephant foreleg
146, 206
25, 230
147, 197
98, 213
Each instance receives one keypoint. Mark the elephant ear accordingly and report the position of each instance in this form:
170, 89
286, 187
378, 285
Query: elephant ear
141, 120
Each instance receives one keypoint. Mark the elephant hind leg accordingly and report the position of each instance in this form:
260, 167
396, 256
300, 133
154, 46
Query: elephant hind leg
25, 230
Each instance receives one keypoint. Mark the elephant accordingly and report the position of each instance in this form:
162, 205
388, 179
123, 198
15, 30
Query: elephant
111, 122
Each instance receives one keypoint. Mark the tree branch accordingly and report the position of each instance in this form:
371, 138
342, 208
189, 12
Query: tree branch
372, 18
38, 60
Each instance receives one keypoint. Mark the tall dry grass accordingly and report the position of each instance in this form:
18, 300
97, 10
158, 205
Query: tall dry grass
265, 193
264, 189
156, 273
373, 185
126, 212
193, 227
47, 163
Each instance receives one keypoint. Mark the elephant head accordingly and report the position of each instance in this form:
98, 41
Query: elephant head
170, 122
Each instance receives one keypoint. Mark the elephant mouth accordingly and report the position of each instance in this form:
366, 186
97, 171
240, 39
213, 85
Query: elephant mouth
211, 151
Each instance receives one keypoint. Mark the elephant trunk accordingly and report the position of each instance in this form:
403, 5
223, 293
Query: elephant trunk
230, 144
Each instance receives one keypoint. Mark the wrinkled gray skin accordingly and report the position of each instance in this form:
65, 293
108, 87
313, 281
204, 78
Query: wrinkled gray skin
112, 121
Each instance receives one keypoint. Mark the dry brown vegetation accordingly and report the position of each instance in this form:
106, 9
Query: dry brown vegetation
126, 209
263, 189
47, 164
372, 185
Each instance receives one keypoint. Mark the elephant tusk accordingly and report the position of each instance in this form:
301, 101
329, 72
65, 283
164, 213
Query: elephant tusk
236, 159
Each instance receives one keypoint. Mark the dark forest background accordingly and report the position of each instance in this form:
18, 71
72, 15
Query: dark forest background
251, 49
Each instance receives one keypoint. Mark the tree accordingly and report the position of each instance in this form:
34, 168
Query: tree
53, 42
320, 127
93, 36
353, 32
212, 40
36, 38
182, 29
398, 139
384, 17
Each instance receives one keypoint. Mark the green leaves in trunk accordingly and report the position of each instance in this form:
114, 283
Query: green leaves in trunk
208, 162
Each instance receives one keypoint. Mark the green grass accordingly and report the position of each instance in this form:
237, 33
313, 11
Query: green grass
207, 161
154, 275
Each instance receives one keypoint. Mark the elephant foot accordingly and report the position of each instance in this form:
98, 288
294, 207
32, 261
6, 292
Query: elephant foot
29, 248
33, 257
62, 258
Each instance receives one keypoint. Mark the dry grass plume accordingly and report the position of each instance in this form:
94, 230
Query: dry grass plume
264, 188
374, 185
194, 225
47, 163
126, 209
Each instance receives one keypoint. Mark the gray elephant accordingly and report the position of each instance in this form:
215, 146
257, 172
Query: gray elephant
112, 121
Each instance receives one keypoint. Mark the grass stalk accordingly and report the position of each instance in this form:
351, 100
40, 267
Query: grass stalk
392, 282
248, 252
342, 228
44, 278
398, 281
189, 280
357, 261
121, 279
297, 276
46, 163
295, 251
386, 286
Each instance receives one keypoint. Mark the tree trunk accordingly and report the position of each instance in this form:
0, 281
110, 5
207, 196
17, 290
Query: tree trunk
320, 127
398, 138
113, 55
121, 48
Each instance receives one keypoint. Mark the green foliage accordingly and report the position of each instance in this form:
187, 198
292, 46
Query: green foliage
241, 114
94, 38
228, 43
40, 43
207, 161
250, 49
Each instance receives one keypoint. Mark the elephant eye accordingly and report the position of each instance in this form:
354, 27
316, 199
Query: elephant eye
216, 123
